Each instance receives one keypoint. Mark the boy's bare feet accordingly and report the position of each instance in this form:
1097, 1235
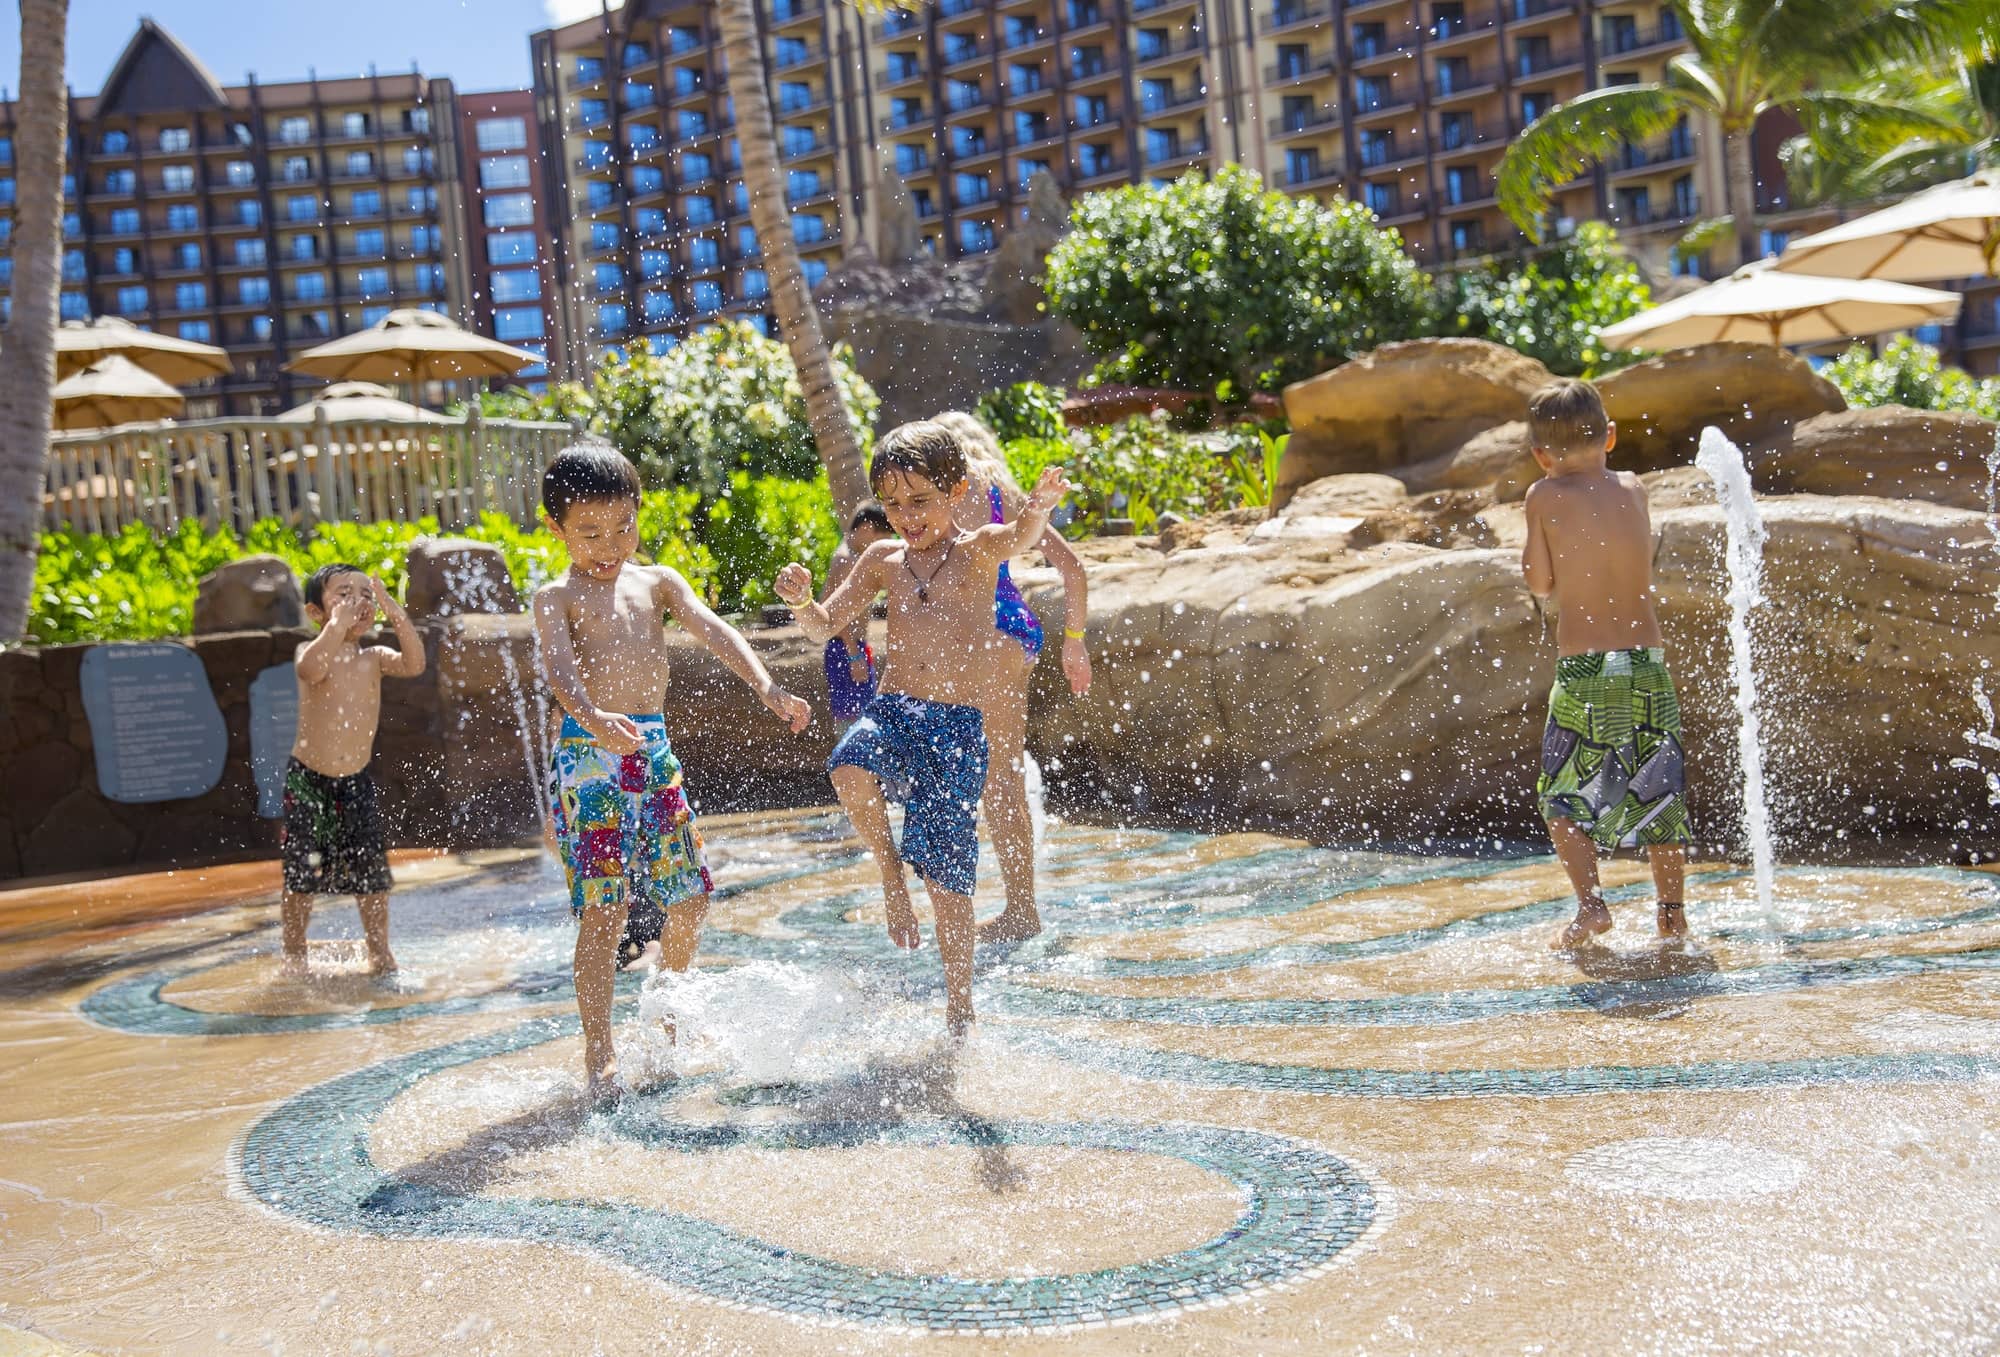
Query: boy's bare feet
957, 1022
1592, 918
383, 963
1673, 920
1011, 926
903, 929
294, 967
605, 1090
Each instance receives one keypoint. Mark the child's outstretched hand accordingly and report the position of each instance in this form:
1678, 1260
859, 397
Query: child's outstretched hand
619, 734
1049, 489
794, 585
381, 593
1076, 664
788, 707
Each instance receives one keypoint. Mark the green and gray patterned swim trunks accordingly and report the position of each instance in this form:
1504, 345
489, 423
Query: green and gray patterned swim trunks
1611, 753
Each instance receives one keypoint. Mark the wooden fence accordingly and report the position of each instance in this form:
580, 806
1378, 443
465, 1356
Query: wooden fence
236, 471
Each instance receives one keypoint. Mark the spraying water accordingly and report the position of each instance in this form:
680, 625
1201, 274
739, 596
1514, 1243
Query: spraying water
761, 1023
478, 590
1722, 461
1987, 738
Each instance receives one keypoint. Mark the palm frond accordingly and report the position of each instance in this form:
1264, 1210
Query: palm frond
1868, 37
1573, 136
1704, 235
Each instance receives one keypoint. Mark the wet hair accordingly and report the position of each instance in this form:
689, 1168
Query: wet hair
870, 515
588, 472
922, 448
1567, 416
983, 456
316, 582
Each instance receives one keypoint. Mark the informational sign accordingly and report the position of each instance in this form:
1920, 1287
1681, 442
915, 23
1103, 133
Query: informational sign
274, 725
154, 725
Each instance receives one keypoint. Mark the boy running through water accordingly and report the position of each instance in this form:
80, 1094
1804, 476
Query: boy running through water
333, 831
850, 663
924, 732
622, 823
1612, 772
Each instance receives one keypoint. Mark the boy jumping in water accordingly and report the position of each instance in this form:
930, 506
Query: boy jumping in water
333, 831
924, 732
1612, 772
622, 823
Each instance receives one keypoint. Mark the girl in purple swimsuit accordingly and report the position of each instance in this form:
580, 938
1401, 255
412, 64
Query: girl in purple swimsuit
992, 497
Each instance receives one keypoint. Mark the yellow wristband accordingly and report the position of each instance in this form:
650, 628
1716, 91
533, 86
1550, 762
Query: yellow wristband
1073, 633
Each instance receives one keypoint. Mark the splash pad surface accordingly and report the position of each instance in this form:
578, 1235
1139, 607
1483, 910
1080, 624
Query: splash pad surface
1243, 1095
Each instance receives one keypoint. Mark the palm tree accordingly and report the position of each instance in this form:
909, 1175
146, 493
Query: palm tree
798, 319
1838, 162
1749, 56
28, 359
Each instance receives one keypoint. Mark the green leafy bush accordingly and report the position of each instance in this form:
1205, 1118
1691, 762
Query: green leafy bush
1220, 286
723, 400
1023, 410
1143, 467
1912, 374
1551, 305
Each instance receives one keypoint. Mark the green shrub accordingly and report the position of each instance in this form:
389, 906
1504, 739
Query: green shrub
1023, 410
1552, 305
723, 400
1220, 286
1912, 374
1143, 467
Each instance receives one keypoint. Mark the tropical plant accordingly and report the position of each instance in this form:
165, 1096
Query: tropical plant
28, 360
1143, 467
1220, 286
834, 430
723, 400
1838, 160
1552, 304
1023, 410
1748, 57
1912, 374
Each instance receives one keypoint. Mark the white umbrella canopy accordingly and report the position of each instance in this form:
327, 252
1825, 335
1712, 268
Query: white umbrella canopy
80, 343
1759, 305
360, 402
110, 392
1951, 231
412, 346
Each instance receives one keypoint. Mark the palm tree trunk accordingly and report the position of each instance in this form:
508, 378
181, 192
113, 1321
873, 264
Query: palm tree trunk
798, 319
1739, 187
28, 358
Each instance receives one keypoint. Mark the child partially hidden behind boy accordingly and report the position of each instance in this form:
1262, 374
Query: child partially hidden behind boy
622, 823
1612, 772
850, 662
333, 830
924, 732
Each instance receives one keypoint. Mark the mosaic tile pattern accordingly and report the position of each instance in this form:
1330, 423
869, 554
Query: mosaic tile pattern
1302, 1208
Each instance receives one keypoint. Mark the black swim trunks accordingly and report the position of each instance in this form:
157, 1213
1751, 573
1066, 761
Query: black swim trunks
333, 834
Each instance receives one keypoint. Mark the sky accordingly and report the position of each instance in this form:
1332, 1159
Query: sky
480, 44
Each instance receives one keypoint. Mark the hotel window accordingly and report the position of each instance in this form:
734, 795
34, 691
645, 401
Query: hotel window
739, 197
1465, 237
115, 143
904, 66
302, 247
517, 322
639, 95
197, 330
260, 329
814, 271
975, 237
969, 190
794, 96
183, 217
607, 277
315, 324
1293, 58
803, 184
640, 137
1534, 104
756, 286
298, 169
655, 264
422, 198
190, 296
424, 240
809, 230
967, 142
1378, 146
911, 159
365, 202
73, 306
1086, 61
697, 168
187, 255
1083, 13
1373, 91
1162, 144
1094, 158
1155, 95
501, 134
1024, 79
125, 221
125, 259
520, 248
611, 318
512, 209
253, 291
119, 181
707, 296
249, 212
1453, 75
417, 160
649, 222
177, 178
1301, 166
659, 306
370, 244
354, 124
746, 243
593, 112
309, 286
1455, 131
686, 82
369, 282
239, 174
597, 196
604, 235
1026, 170
692, 123
1532, 55
648, 179
1092, 109
301, 207
797, 140
1447, 20
1381, 198
294, 131
1461, 185
131, 301
373, 315
249, 251
360, 163
589, 70
704, 253
72, 221
790, 52
699, 210
682, 39
635, 54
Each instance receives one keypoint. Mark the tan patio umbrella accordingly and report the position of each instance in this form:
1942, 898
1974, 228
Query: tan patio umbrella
1951, 231
361, 402
80, 343
113, 391
412, 346
1759, 305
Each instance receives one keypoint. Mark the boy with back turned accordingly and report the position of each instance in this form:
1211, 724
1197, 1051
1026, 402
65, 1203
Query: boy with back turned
1612, 771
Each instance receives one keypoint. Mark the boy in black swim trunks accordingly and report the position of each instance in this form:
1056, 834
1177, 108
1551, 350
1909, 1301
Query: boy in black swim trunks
333, 833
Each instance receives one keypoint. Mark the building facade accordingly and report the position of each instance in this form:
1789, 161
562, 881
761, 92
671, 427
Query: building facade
513, 287
265, 218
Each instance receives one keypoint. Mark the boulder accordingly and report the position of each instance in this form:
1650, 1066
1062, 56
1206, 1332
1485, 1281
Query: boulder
1891, 451
1401, 405
255, 593
1399, 690
1754, 393
1498, 460
449, 576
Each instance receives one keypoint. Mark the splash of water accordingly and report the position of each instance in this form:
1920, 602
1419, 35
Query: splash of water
478, 590
1722, 461
1989, 737
758, 1023
1038, 813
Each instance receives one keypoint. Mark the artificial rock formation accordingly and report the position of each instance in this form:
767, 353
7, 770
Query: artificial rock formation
254, 592
1892, 451
1752, 392
449, 576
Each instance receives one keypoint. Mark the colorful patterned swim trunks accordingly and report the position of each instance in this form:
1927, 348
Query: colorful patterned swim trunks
333, 834
1611, 753
624, 827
